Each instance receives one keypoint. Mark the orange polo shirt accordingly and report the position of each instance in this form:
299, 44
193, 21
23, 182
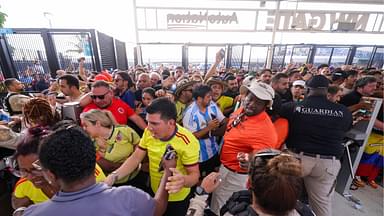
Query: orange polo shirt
254, 133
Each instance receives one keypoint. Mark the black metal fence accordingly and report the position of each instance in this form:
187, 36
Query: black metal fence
107, 50
70, 47
121, 55
30, 53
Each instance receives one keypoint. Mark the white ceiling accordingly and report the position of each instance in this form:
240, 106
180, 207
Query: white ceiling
339, 1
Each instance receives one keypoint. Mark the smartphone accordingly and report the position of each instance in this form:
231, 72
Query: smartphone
222, 53
81, 59
169, 154
213, 117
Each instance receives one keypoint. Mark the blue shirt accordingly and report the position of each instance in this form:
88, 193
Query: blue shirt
129, 98
194, 120
98, 199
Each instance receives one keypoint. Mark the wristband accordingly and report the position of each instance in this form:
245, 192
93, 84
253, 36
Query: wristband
200, 191
20, 209
115, 176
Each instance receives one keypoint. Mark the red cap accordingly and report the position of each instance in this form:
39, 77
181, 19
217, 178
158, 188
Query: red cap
101, 77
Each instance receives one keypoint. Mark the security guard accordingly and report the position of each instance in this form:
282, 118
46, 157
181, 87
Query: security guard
316, 131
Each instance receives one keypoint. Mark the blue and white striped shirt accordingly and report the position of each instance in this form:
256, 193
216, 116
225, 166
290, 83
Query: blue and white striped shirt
194, 120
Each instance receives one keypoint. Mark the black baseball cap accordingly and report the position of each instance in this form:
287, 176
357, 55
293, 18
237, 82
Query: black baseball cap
318, 81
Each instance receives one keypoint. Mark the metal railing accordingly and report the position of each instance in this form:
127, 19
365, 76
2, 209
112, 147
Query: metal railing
27, 52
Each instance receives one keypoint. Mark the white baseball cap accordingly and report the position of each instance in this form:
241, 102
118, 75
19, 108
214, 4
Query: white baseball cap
261, 90
299, 83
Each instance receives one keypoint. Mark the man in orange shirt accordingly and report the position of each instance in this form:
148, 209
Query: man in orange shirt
249, 130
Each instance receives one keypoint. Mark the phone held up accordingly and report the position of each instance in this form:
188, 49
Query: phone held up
222, 53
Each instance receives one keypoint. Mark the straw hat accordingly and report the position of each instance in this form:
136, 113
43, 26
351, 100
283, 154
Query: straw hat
182, 84
216, 80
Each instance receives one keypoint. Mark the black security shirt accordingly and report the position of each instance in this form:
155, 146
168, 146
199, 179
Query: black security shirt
351, 98
317, 125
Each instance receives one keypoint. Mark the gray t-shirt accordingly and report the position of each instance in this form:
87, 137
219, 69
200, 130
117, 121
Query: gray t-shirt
98, 199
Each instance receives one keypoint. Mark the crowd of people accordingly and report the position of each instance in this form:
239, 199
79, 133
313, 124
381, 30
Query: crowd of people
180, 142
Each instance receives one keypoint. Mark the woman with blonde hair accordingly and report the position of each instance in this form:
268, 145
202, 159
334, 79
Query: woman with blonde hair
114, 143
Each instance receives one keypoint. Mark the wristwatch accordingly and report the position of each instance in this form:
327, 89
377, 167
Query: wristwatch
200, 191
115, 176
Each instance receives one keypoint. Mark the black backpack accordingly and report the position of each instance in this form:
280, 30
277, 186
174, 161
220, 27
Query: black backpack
239, 205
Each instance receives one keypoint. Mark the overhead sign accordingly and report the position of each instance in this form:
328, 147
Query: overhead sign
199, 20
257, 20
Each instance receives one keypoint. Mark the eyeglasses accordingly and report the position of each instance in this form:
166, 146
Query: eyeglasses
101, 97
117, 80
36, 164
36, 171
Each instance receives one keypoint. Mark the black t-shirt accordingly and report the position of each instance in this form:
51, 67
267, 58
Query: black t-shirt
351, 98
276, 105
231, 94
139, 95
379, 117
317, 125
286, 97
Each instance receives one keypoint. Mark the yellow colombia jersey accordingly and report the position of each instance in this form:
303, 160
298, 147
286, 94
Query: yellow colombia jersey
187, 148
224, 102
25, 188
120, 146
180, 107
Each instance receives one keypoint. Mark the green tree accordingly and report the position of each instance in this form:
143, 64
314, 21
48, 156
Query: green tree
2, 18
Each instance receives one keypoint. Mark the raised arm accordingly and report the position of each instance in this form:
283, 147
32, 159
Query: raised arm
212, 70
128, 166
138, 121
85, 100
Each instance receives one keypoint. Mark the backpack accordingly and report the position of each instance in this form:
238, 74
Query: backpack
7, 105
239, 205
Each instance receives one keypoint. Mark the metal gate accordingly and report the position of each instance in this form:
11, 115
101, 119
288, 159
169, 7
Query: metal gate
70, 47
28, 55
31, 53
121, 55
107, 51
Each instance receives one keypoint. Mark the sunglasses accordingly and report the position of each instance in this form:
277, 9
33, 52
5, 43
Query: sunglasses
269, 154
101, 97
262, 156
236, 121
